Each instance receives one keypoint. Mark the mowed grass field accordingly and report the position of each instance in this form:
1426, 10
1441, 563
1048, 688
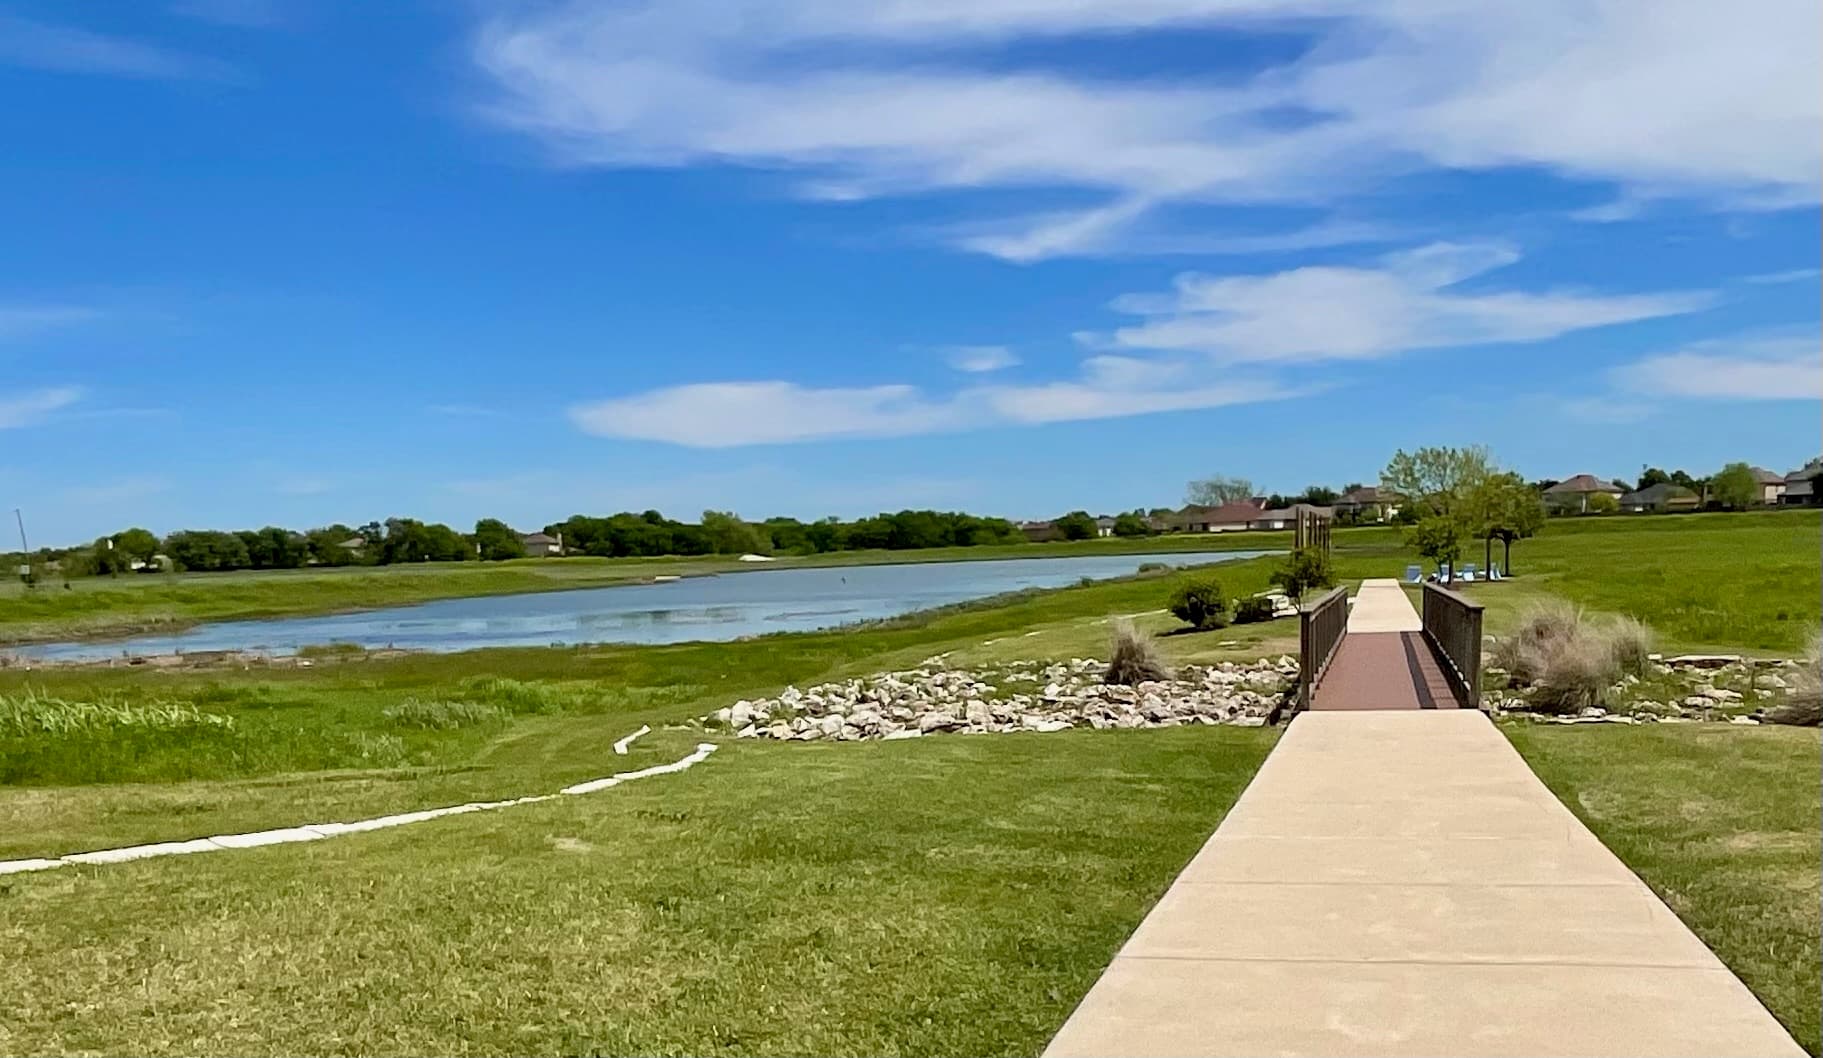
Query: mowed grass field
951, 895
128, 604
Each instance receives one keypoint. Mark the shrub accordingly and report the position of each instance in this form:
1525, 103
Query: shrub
1304, 569
1133, 658
1146, 568
1542, 631
1803, 707
520, 696
442, 715
1571, 663
1631, 643
34, 715
1199, 603
1577, 675
1252, 609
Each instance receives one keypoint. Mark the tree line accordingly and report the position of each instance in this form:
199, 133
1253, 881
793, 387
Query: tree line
405, 540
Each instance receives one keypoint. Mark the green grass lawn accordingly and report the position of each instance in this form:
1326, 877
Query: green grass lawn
951, 894
111, 606
1721, 822
939, 896
1711, 581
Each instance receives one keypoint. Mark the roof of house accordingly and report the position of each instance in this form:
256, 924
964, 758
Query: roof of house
1287, 513
1652, 495
1805, 472
1106, 521
1228, 513
1583, 483
1767, 477
1037, 525
354, 543
1364, 494
537, 538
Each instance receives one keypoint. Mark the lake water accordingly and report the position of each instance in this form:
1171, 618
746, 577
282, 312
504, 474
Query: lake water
697, 608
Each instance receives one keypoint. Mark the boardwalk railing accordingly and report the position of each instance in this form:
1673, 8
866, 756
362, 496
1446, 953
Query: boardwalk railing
1321, 626
1452, 623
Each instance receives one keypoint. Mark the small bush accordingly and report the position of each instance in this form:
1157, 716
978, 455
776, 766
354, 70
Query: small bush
1199, 603
1541, 633
1151, 568
442, 716
1133, 658
1304, 569
1252, 609
1631, 642
1803, 707
34, 715
1578, 675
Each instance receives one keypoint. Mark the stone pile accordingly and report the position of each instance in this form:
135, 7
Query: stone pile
1690, 688
1025, 696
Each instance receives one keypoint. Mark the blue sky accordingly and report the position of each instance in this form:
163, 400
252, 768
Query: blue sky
293, 261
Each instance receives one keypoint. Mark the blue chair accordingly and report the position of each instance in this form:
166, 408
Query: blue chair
1414, 574
1467, 572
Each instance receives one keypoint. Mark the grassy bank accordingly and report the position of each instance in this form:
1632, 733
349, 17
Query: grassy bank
1723, 823
92, 607
941, 896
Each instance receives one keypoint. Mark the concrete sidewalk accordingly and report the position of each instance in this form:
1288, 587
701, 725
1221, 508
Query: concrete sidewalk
1381, 606
1400, 883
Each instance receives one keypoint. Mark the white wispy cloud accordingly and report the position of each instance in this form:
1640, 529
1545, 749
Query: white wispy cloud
34, 406
731, 414
981, 359
1656, 98
23, 320
1751, 367
69, 49
1794, 275
1406, 301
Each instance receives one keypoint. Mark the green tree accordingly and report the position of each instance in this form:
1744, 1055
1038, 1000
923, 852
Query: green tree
496, 541
729, 535
1603, 503
1131, 524
136, 544
1318, 495
1503, 507
1438, 538
1735, 487
106, 559
1199, 603
1217, 490
1305, 568
1077, 525
1652, 476
1436, 480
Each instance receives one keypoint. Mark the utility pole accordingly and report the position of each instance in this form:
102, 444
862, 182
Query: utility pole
25, 549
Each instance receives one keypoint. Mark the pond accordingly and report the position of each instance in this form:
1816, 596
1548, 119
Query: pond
723, 607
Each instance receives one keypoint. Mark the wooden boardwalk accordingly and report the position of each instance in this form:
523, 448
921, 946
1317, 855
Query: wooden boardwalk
1385, 661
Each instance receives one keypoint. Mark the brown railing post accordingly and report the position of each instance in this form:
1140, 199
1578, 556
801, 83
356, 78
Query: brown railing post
1321, 626
1452, 622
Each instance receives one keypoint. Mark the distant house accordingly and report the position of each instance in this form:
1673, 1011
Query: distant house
1227, 518
1366, 504
354, 545
1663, 498
1772, 486
541, 545
1104, 525
1798, 489
1039, 532
1572, 496
1285, 517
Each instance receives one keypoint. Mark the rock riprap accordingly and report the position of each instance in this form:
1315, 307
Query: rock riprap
935, 699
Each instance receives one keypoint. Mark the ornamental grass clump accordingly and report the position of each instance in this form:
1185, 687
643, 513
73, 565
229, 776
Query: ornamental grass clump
1803, 704
1569, 662
1133, 658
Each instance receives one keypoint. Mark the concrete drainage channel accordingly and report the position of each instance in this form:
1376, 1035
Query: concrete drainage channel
319, 831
